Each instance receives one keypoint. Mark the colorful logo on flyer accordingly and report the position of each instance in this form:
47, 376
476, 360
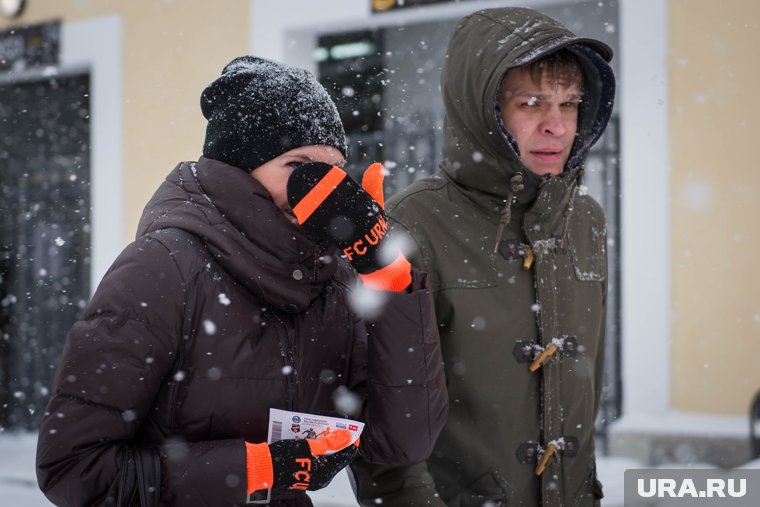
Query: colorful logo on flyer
353, 427
296, 419
340, 425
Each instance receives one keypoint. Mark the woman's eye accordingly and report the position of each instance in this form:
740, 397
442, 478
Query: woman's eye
295, 164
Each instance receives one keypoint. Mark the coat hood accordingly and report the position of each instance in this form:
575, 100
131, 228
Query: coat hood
479, 153
248, 236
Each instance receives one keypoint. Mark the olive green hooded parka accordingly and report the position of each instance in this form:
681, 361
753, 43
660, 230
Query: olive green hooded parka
518, 263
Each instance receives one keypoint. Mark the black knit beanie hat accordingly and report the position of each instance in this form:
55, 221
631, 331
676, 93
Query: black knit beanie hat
259, 109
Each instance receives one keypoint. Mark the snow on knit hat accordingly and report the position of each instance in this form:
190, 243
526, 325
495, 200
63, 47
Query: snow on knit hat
259, 109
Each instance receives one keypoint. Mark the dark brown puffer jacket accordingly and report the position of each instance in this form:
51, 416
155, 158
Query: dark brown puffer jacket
218, 311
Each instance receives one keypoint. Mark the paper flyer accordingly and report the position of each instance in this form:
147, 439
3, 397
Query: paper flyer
285, 425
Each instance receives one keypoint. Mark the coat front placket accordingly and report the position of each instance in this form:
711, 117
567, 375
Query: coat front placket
545, 227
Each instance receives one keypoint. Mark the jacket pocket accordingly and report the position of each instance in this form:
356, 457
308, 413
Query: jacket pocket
591, 490
490, 489
588, 248
596, 485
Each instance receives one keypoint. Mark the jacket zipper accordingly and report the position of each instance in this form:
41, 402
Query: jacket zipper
174, 391
289, 357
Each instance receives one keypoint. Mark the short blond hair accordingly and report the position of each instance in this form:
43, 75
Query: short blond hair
559, 67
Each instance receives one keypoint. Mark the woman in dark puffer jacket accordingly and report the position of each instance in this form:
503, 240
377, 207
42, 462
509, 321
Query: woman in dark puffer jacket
224, 307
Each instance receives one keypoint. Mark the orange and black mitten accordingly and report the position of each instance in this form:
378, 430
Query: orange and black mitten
332, 207
299, 464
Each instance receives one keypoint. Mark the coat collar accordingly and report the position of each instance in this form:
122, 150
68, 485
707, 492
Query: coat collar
246, 233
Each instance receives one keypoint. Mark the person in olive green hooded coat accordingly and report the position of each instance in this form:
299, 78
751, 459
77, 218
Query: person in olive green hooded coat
516, 255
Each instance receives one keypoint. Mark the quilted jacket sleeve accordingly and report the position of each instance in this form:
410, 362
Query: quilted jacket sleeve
407, 401
113, 364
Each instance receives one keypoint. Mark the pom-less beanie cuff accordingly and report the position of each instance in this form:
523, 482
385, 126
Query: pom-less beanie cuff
259, 109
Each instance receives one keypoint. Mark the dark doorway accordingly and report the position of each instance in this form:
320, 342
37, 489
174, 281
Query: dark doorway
44, 235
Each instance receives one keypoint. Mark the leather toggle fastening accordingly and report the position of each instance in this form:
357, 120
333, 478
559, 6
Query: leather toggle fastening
566, 446
530, 352
524, 351
543, 356
570, 446
512, 249
569, 346
547, 454
530, 256
529, 453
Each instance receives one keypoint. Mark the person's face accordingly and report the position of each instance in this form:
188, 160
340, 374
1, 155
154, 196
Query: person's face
274, 174
542, 119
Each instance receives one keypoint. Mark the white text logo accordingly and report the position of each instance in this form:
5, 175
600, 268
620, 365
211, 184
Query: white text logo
716, 488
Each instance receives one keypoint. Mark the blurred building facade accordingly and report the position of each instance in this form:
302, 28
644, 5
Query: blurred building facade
100, 99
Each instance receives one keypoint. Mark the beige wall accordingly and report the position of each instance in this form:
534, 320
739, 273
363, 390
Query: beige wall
171, 51
715, 186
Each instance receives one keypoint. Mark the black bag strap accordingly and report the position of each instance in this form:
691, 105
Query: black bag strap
148, 465
126, 492
139, 483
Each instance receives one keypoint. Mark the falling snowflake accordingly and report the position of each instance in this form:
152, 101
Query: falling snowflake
209, 327
346, 401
